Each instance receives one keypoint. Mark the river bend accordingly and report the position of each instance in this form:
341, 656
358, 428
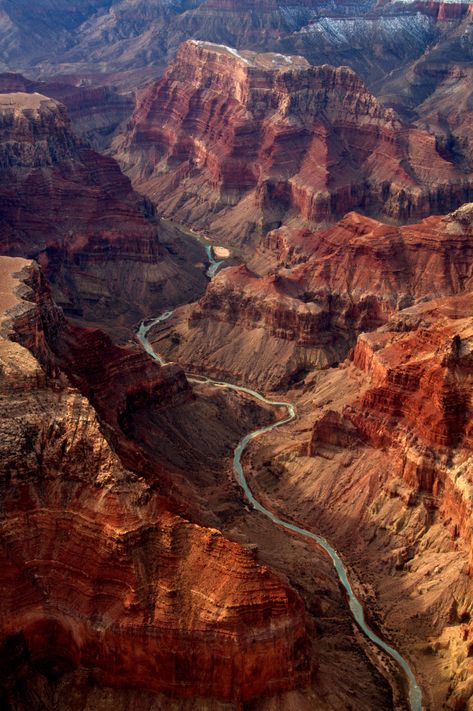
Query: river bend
415, 693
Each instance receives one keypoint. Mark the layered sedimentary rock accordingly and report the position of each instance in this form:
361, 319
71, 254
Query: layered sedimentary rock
95, 111
241, 143
133, 36
381, 463
101, 578
75, 211
323, 289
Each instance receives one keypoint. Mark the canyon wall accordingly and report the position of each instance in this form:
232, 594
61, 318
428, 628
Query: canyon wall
240, 143
101, 576
95, 112
380, 462
74, 211
132, 38
323, 289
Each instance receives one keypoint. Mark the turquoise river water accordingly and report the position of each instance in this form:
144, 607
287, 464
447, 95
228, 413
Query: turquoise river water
415, 693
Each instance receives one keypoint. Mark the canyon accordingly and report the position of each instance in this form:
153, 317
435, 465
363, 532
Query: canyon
236, 355
131, 37
97, 553
76, 213
379, 459
241, 143
309, 295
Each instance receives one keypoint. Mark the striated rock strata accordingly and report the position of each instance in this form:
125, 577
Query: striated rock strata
96, 112
323, 289
242, 143
101, 578
381, 462
133, 37
74, 211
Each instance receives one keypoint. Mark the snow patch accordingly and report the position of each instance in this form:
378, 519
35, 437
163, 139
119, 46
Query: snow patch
345, 31
232, 50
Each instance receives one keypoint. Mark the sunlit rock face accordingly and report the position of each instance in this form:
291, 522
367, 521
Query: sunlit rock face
323, 289
239, 143
100, 576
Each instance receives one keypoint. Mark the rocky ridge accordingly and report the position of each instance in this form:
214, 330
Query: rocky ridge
380, 462
94, 558
95, 112
74, 211
131, 37
323, 289
241, 143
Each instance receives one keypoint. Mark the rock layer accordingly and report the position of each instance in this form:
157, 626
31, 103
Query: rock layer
241, 143
380, 462
323, 290
99, 572
125, 36
95, 111
74, 210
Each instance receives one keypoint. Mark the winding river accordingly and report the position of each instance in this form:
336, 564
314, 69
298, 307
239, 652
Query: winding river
415, 693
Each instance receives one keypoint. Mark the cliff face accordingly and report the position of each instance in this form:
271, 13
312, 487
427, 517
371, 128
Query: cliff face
95, 111
126, 36
74, 211
419, 404
242, 142
100, 576
323, 290
381, 463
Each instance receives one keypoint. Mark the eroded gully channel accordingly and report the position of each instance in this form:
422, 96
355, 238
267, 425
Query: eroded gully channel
415, 693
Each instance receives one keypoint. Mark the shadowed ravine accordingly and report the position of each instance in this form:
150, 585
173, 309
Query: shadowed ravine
415, 694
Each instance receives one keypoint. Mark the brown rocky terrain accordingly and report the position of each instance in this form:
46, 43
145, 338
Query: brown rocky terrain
93, 560
240, 143
111, 596
74, 211
322, 290
95, 112
380, 458
124, 38
385, 471
134, 575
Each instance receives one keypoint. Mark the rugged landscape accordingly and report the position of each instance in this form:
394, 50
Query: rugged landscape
75, 212
274, 195
120, 38
238, 144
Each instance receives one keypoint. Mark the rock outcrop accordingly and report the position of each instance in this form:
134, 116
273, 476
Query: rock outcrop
381, 463
125, 37
323, 290
95, 112
74, 211
241, 143
101, 578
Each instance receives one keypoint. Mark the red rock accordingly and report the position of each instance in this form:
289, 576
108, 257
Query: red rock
95, 111
74, 210
242, 142
98, 573
326, 288
420, 406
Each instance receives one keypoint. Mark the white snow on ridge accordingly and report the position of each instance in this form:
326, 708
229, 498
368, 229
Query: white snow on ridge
343, 31
232, 50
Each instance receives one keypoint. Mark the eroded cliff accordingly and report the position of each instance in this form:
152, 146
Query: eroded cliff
74, 211
322, 290
242, 142
102, 578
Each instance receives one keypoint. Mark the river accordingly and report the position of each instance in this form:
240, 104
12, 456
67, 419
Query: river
415, 693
